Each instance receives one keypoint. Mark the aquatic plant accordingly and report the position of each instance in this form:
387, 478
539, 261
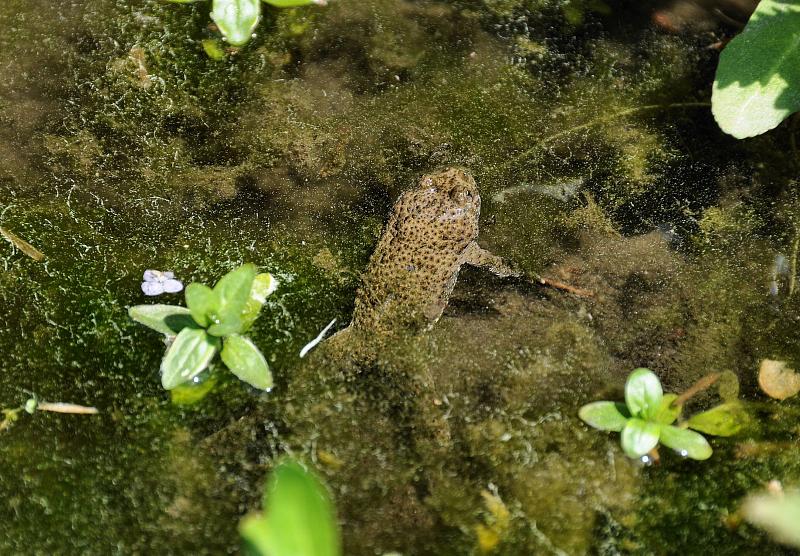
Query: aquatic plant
299, 518
646, 418
757, 84
237, 19
214, 320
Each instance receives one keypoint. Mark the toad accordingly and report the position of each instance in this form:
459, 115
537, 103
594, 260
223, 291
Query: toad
430, 234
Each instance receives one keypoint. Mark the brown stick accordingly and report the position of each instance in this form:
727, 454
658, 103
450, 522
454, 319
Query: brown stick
697, 387
21, 244
60, 407
580, 292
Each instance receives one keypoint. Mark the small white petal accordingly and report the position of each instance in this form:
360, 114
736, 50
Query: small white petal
152, 288
169, 275
172, 286
150, 275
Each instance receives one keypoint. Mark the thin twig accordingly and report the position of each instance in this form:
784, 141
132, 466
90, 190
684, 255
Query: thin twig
61, 407
580, 292
793, 267
21, 244
696, 388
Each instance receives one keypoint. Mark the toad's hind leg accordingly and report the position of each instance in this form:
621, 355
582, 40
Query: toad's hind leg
476, 255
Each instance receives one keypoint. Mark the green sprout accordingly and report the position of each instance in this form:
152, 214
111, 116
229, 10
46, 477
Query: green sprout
647, 416
214, 321
299, 517
237, 19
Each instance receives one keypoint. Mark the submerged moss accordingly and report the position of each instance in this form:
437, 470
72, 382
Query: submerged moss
125, 147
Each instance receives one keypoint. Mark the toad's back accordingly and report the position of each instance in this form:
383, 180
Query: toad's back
415, 265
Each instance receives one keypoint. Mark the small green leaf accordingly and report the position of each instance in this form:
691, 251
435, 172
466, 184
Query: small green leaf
244, 360
202, 302
189, 354
779, 515
190, 393
757, 84
236, 19
167, 319
607, 416
290, 3
213, 49
725, 419
298, 516
639, 437
232, 292
255, 532
263, 285
643, 393
229, 325
688, 443
667, 413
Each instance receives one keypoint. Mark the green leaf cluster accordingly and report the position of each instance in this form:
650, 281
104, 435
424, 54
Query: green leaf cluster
298, 520
647, 416
237, 19
214, 321
757, 84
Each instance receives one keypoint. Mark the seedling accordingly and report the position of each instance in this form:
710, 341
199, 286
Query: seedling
299, 518
213, 321
647, 416
237, 19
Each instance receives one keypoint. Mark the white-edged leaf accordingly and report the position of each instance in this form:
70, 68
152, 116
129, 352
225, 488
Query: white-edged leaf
607, 416
667, 413
643, 393
236, 19
202, 302
245, 360
639, 437
232, 293
167, 319
263, 286
189, 354
688, 443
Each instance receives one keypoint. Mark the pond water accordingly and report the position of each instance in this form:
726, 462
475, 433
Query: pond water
125, 147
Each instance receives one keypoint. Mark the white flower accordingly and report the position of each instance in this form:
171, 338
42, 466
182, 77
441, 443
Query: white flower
157, 282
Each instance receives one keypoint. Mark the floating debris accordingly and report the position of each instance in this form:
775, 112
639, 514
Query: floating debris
777, 380
11, 415
776, 511
21, 244
310, 345
63, 407
562, 190
157, 282
779, 276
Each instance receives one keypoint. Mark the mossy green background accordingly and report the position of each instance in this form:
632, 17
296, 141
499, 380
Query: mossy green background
124, 147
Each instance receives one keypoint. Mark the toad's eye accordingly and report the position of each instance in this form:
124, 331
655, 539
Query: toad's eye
460, 196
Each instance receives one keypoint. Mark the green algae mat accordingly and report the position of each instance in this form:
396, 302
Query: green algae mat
141, 152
